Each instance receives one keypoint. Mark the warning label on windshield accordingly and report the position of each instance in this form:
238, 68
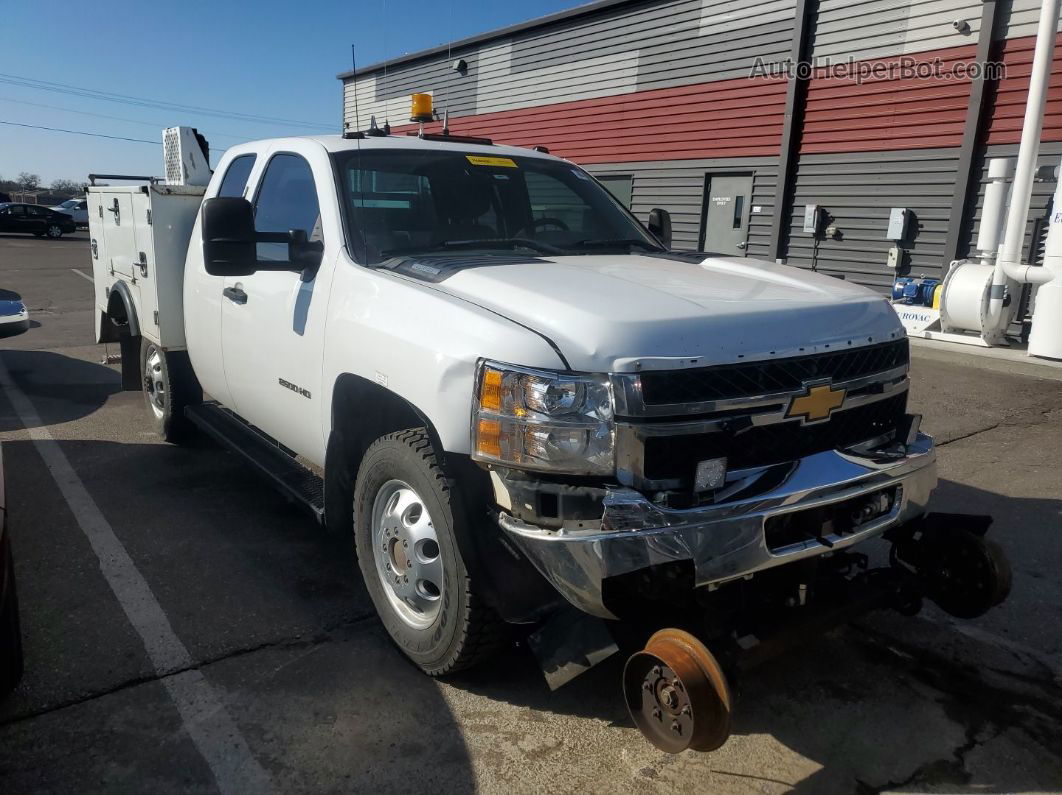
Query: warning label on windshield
486, 160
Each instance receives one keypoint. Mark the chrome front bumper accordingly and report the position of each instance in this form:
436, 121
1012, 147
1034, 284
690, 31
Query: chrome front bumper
724, 541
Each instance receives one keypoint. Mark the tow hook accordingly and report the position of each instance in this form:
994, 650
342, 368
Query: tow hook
677, 694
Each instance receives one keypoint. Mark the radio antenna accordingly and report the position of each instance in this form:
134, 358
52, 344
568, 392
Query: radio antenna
386, 87
355, 187
354, 67
449, 72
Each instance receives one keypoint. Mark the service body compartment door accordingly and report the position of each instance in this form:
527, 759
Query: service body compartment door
119, 232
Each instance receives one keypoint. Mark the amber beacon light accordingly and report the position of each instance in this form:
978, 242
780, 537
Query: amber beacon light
421, 109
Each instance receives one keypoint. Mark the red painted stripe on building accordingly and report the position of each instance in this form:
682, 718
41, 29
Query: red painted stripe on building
1006, 108
893, 111
741, 117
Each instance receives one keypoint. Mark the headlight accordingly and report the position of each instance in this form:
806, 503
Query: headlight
536, 419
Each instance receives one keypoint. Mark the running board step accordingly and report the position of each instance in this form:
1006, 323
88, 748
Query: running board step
293, 479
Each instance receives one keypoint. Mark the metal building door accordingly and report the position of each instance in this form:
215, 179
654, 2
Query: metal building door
725, 213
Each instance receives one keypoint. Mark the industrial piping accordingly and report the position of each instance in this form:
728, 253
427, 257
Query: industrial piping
1009, 266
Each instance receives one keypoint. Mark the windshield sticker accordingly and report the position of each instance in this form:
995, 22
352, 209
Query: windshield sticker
486, 160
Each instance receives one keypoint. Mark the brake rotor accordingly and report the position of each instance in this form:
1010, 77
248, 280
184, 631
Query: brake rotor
676, 693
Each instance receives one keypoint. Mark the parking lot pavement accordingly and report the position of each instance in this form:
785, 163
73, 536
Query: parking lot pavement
281, 646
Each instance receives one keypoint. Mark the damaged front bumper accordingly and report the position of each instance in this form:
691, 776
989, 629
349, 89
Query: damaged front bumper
734, 538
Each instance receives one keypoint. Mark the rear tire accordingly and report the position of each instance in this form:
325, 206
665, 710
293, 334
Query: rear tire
169, 387
444, 626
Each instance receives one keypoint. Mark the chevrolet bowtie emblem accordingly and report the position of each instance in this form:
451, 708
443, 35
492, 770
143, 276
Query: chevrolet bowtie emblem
817, 404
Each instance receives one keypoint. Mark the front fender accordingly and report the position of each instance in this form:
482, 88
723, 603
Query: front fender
421, 344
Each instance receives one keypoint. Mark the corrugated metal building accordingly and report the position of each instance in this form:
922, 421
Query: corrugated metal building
681, 104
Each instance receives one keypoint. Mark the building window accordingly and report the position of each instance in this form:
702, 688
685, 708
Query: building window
619, 185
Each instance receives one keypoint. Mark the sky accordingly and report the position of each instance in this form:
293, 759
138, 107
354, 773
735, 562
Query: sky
265, 59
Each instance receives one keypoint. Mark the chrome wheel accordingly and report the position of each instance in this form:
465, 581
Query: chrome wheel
155, 381
407, 555
55, 231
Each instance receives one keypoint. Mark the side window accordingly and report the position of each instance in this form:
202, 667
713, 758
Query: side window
236, 177
287, 199
18, 210
38, 212
619, 185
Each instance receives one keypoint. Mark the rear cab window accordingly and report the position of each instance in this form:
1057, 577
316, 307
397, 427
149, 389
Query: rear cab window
235, 181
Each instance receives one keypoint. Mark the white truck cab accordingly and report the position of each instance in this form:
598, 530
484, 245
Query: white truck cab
518, 400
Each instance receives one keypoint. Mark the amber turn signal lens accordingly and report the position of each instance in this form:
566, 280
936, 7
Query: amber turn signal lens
490, 391
488, 438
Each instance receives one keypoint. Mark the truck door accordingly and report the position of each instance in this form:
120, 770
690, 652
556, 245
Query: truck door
273, 321
725, 213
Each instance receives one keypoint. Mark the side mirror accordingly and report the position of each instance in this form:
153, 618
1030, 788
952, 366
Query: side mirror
230, 242
660, 225
229, 239
304, 255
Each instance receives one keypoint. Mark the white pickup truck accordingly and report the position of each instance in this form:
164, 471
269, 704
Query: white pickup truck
514, 398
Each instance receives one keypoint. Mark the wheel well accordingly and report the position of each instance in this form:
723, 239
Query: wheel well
122, 313
362, 412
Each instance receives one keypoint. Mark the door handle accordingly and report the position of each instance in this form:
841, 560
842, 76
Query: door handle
741, 245
235, 294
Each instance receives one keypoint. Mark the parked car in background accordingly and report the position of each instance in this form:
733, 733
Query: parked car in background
76, 209
36, 220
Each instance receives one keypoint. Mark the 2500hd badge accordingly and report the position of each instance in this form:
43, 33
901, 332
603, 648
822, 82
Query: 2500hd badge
298, 390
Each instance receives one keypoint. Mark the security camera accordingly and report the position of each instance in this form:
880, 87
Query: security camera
961, 25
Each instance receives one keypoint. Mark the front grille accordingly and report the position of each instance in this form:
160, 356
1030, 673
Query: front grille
728, 381
676, 457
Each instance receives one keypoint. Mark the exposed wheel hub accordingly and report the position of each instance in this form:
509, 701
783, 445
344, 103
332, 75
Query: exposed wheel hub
677, 694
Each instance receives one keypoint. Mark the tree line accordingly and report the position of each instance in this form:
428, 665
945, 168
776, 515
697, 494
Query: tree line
27, 182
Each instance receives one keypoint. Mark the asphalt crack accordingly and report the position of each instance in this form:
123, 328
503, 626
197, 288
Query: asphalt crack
969, 435
328, 634
985, 710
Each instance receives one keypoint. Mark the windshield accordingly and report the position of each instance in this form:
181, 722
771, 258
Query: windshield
402, 201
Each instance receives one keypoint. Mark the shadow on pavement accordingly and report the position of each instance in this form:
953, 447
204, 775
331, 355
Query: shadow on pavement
271, 612
62, 388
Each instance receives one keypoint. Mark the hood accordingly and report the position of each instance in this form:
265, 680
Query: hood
616, 313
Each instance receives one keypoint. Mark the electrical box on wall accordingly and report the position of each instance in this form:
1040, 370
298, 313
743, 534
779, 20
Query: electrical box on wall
812, 218
897, 224
895, 258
